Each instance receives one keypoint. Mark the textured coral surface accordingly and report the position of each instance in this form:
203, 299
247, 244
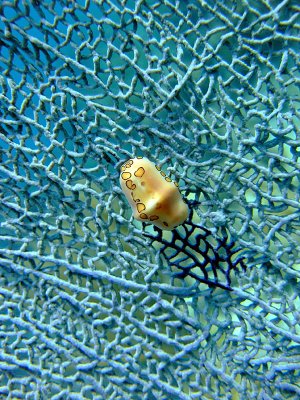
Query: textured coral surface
95, 305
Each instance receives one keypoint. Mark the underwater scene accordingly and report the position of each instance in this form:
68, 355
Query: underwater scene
149, 199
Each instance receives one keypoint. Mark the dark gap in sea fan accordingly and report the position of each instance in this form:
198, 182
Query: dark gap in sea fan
191, 248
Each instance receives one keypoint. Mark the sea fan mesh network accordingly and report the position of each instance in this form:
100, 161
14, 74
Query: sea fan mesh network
92, 303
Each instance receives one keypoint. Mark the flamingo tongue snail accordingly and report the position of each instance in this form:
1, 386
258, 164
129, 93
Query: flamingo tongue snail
153, 196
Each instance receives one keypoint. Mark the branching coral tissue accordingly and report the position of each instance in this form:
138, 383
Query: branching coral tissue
97, 305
